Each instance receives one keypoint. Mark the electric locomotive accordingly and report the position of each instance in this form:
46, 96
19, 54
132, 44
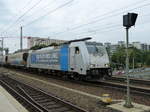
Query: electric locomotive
77, 59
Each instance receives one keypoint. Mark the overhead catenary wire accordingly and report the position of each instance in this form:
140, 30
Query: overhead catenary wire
97, 29
47, 5
74, 27
50, 12
105, 17
107, 26
108, 29
101, 29
30, 1
10, 26
47, 14
116, 10
25, 6
34, 12
113, 15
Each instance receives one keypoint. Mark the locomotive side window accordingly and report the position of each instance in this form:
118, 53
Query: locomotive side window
77, 51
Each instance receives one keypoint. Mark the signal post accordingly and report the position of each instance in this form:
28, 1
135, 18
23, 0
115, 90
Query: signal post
128, 21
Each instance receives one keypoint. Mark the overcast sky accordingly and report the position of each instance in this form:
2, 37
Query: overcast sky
71, 19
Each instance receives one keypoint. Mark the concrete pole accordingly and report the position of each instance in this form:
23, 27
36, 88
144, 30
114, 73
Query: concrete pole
21, 43
128, 103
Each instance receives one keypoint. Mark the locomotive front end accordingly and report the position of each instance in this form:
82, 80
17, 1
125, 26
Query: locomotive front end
99, 64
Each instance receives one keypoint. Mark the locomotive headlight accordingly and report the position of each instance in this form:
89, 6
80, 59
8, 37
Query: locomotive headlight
92, 65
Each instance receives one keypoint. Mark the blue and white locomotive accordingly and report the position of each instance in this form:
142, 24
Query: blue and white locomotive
77, 59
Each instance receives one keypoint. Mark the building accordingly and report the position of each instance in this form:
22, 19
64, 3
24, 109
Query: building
97, 43
137, 45
32, 41
141, 46
121, 43
107, 45
113, 48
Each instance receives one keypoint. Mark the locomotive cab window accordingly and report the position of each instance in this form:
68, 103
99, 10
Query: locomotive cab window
77, 51
96, 49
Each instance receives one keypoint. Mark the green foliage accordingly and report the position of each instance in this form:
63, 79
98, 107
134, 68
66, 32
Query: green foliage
53, 44
118, 58
148, 61
146, 58
38, 47
139, 57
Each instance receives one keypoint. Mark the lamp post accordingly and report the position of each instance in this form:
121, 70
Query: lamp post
128, 21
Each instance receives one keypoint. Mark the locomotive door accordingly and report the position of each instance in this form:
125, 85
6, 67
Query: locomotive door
76, 60
72, 60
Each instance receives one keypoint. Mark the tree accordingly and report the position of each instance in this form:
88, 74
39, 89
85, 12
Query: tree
148, 61
147, 58
135, 55
53, 44
119, 57
38, 47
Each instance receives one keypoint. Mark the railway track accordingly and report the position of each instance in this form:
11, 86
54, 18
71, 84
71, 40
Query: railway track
36, 100
122, 87
132, 80
142, 88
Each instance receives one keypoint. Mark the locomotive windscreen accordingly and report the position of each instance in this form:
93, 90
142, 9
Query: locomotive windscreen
96, 49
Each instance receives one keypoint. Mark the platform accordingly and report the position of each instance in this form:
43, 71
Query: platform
136, 108
8, 103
